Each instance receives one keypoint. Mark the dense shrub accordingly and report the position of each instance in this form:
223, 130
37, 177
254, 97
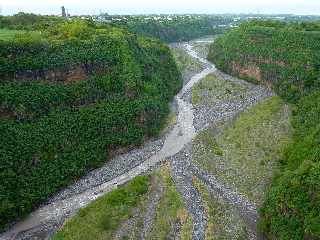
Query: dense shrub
306, 122
287, 56
52, 132
292, 206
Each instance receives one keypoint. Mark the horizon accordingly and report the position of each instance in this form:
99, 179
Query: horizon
143, 7
150, 14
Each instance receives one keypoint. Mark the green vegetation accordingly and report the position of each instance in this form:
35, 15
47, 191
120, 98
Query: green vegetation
223, 221
29, 22
166, 28
184, 61
101, 218
6, 34
170, 211
70, 95
186, 231
173, 28
210, 90
292, 205
185, 27
245, 154
285, 56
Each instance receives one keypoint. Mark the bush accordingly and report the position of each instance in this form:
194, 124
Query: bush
292, 206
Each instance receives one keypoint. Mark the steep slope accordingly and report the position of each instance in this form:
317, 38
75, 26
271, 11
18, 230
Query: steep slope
284, 56
69, 98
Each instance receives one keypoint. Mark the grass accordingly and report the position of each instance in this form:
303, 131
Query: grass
184, 61
186, 231
104, 217
223, 221
6, 34
245, 154
171, 210
101, 218
210, 90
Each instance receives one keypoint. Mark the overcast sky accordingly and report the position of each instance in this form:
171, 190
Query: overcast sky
161, 6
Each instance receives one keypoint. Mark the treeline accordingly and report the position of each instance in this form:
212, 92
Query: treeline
166, 28
70, 95
28, 21
286, 57
176, 28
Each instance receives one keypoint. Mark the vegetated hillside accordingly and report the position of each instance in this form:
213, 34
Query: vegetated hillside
286, 58
69, 98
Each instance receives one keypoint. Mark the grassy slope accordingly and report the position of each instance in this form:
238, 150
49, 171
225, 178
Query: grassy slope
210, 90
245, 154
102, 218
223, 221
170, 211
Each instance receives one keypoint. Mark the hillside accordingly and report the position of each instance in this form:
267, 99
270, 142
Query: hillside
284, 57
71, 96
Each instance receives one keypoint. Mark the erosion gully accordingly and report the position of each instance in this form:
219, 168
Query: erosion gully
173, 147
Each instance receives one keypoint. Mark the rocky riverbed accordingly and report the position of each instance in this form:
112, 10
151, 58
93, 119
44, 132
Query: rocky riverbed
175, 147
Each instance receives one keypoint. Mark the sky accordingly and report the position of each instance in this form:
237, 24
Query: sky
9, 7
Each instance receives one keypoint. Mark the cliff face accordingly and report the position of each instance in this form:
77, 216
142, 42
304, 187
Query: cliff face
67, 102
67, 74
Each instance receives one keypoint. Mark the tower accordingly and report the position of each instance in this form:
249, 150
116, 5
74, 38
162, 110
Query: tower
63, 10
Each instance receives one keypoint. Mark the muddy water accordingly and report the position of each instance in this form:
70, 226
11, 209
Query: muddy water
180, 135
